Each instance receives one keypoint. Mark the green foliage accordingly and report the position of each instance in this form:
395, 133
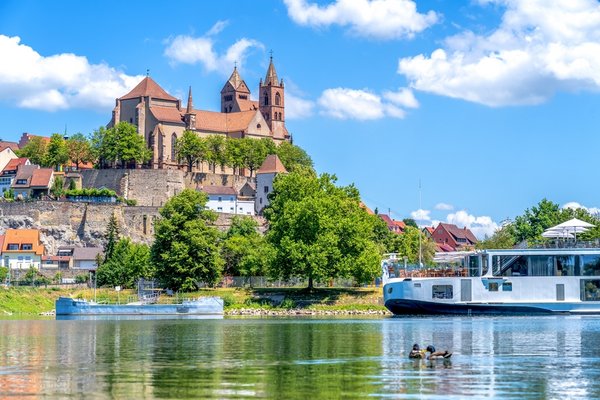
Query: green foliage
255, 152
234, 153
191, 148
119, 146
82, 278
9, 194
319, 231
245, 251
57, 153
57, 189
79, 150
35, 150
57, 278
72, 184
127, 263
111, 236
293, 157
3, 274
185, 249
503, 238
131, 202
534, 221
407, 245
215, 151
410, 222
90, 192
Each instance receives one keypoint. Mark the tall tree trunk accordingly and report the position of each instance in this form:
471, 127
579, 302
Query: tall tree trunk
310, 283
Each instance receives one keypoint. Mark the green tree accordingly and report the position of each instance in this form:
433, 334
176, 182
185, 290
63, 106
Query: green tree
35, 150
3, 274
111, 236
57, 153
119, 146
534, 221
245, 251
407, 245
79, 149
186, 249
58, 187
191, 148
128, 262
292, 157
410, 222
255, 152
319, 231
503, 238
234, 154
215, 152
9, 194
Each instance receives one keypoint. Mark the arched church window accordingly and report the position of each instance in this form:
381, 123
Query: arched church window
173, 144
266, 100
277, 99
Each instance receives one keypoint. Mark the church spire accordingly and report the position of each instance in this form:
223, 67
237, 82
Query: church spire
271, 78
190, 106
235, 78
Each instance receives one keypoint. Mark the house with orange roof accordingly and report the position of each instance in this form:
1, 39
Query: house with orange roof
32, 181
161, 118
22, 249
459, 239
9, 172
265, 176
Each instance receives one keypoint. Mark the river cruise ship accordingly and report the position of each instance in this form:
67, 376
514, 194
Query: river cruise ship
515, 281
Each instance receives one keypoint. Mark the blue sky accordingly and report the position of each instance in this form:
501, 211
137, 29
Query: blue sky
491, 104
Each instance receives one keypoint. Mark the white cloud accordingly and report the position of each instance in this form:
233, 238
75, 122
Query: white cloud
297, 107
420, 215
444, 206
344, 103
480, 226
59, 81
575, 205
540, 47
380, 19
185, 49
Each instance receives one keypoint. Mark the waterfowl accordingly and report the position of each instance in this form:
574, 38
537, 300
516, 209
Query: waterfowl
435, 355
416, 352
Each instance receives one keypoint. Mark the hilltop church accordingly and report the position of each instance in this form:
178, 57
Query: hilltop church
161, 119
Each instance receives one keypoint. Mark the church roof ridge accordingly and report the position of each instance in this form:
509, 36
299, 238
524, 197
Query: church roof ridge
148, 87
271, 77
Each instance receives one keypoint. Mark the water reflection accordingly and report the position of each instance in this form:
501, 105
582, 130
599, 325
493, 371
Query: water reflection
518, 357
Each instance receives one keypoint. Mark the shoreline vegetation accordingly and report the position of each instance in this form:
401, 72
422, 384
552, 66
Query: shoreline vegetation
288, 302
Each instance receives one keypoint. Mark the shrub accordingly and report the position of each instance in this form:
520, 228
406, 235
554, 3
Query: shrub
81, 278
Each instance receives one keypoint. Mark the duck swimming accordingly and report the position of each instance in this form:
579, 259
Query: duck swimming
436, 355
416, 352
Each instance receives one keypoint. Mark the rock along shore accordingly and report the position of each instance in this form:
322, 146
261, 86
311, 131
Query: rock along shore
300, 312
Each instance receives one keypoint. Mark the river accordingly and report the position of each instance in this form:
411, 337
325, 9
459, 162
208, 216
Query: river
307, 358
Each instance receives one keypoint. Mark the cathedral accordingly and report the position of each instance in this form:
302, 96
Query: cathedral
161, 119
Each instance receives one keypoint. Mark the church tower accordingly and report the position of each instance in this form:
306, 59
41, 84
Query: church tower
271, 101
235, 95
190, 116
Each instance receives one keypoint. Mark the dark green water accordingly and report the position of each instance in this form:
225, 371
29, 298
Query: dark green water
509, 357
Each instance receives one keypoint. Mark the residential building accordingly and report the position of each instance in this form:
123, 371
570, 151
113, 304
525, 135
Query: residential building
428, 231
161, 119
32, 181
56, 262
457, 238
22, 249
270, 168
9, 172
6, 154
393, 225
225, 199
86, 258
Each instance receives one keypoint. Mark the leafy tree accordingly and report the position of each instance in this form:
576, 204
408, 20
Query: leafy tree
293, 156
407, 245
119, 145
185, 249
57, 153
215, 152
191, 148
320, 231
111, 236
128, 262
35, 150
58, 189
534, 221
410, 222
234, 153
255, 152
79, 149
9, 194
245, 251
3, 273
503, 238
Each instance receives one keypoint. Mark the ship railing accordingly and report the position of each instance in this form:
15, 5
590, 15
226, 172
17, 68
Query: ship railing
566, 244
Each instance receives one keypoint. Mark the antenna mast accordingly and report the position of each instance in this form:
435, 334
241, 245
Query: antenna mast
420, 262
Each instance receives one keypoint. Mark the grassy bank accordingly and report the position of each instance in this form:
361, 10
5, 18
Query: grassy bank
33, 301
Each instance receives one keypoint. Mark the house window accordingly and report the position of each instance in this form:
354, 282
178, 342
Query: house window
258, 126
26, 246
266, 189
243, 97
277, 99
266, 100
219, 209
231, 199
230, 208
12, 246
21, 181
228, 97
220, 199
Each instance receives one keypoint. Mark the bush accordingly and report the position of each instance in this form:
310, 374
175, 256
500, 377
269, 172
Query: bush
3, 274
81, 278
91, 192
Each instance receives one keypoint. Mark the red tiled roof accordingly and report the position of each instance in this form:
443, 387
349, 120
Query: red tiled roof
223, 122
459, 233
272, 164
443, 247
167, 114
367, 209
2, 241
15, 163
219, 190
12, 145
41, 177
23, 236
56, 258
429, 229
147, 87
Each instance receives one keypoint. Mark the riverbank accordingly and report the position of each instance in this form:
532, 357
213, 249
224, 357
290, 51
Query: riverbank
24, 301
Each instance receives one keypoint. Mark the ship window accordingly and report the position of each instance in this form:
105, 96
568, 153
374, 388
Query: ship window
390, 289
417, 285
484, 264
441, 292
590, 265
567, 266
493, 286
507, 287
590, 290
474, 266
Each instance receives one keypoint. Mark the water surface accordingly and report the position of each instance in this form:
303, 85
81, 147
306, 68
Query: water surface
502, 357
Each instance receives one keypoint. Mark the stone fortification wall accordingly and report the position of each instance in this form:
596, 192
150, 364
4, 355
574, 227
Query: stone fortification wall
79, 224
